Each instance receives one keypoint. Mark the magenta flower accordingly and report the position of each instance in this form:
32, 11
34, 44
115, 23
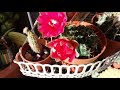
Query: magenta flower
51, 23
62, 49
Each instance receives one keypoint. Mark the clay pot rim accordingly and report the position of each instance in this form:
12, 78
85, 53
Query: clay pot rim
92, 20
77, 61
20, 51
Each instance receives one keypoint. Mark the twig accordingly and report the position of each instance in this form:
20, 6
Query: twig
30, 20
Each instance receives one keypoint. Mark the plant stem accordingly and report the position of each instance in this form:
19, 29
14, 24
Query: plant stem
51, 38
7, 33
60, 35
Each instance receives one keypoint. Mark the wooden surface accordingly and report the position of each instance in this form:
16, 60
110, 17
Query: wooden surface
12, 71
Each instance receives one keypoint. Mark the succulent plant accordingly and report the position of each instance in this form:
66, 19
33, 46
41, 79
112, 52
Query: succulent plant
32, 40
109, 23
83, 51
86, 37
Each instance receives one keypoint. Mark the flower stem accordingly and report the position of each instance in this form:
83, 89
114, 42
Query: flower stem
51, 38
60, 35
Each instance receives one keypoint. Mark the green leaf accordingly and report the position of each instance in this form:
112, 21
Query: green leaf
3, 17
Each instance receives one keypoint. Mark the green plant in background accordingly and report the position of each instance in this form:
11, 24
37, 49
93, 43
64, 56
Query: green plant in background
108, 22
87, 39
8, 49
7, 21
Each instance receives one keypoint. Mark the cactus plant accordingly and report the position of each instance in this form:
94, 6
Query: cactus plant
108, 22
87, 39
32, 40
37, 51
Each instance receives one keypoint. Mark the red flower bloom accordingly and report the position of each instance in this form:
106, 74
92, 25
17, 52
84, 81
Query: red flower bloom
62, 49
51, 23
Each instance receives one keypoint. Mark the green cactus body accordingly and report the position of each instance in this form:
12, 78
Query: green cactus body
32, 40
86, 37
82, 49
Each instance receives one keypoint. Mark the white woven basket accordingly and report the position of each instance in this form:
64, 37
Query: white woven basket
88, 69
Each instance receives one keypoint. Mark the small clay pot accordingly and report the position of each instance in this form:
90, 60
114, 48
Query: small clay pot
23, 50
112, 46
95, 18
116, 65
103, 44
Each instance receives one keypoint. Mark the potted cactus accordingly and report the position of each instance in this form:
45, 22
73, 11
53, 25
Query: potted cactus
89, 38
35, 50
108, 22
81, 43
70, 43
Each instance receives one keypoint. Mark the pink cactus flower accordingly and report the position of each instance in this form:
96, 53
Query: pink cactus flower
62, 49
51, 23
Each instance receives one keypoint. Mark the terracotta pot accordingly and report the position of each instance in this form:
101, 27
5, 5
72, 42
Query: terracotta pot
23, 50
116, 65
102, 43
112, 46
95, 18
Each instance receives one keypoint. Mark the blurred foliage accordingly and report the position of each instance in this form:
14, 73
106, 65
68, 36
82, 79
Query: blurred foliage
7, 21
